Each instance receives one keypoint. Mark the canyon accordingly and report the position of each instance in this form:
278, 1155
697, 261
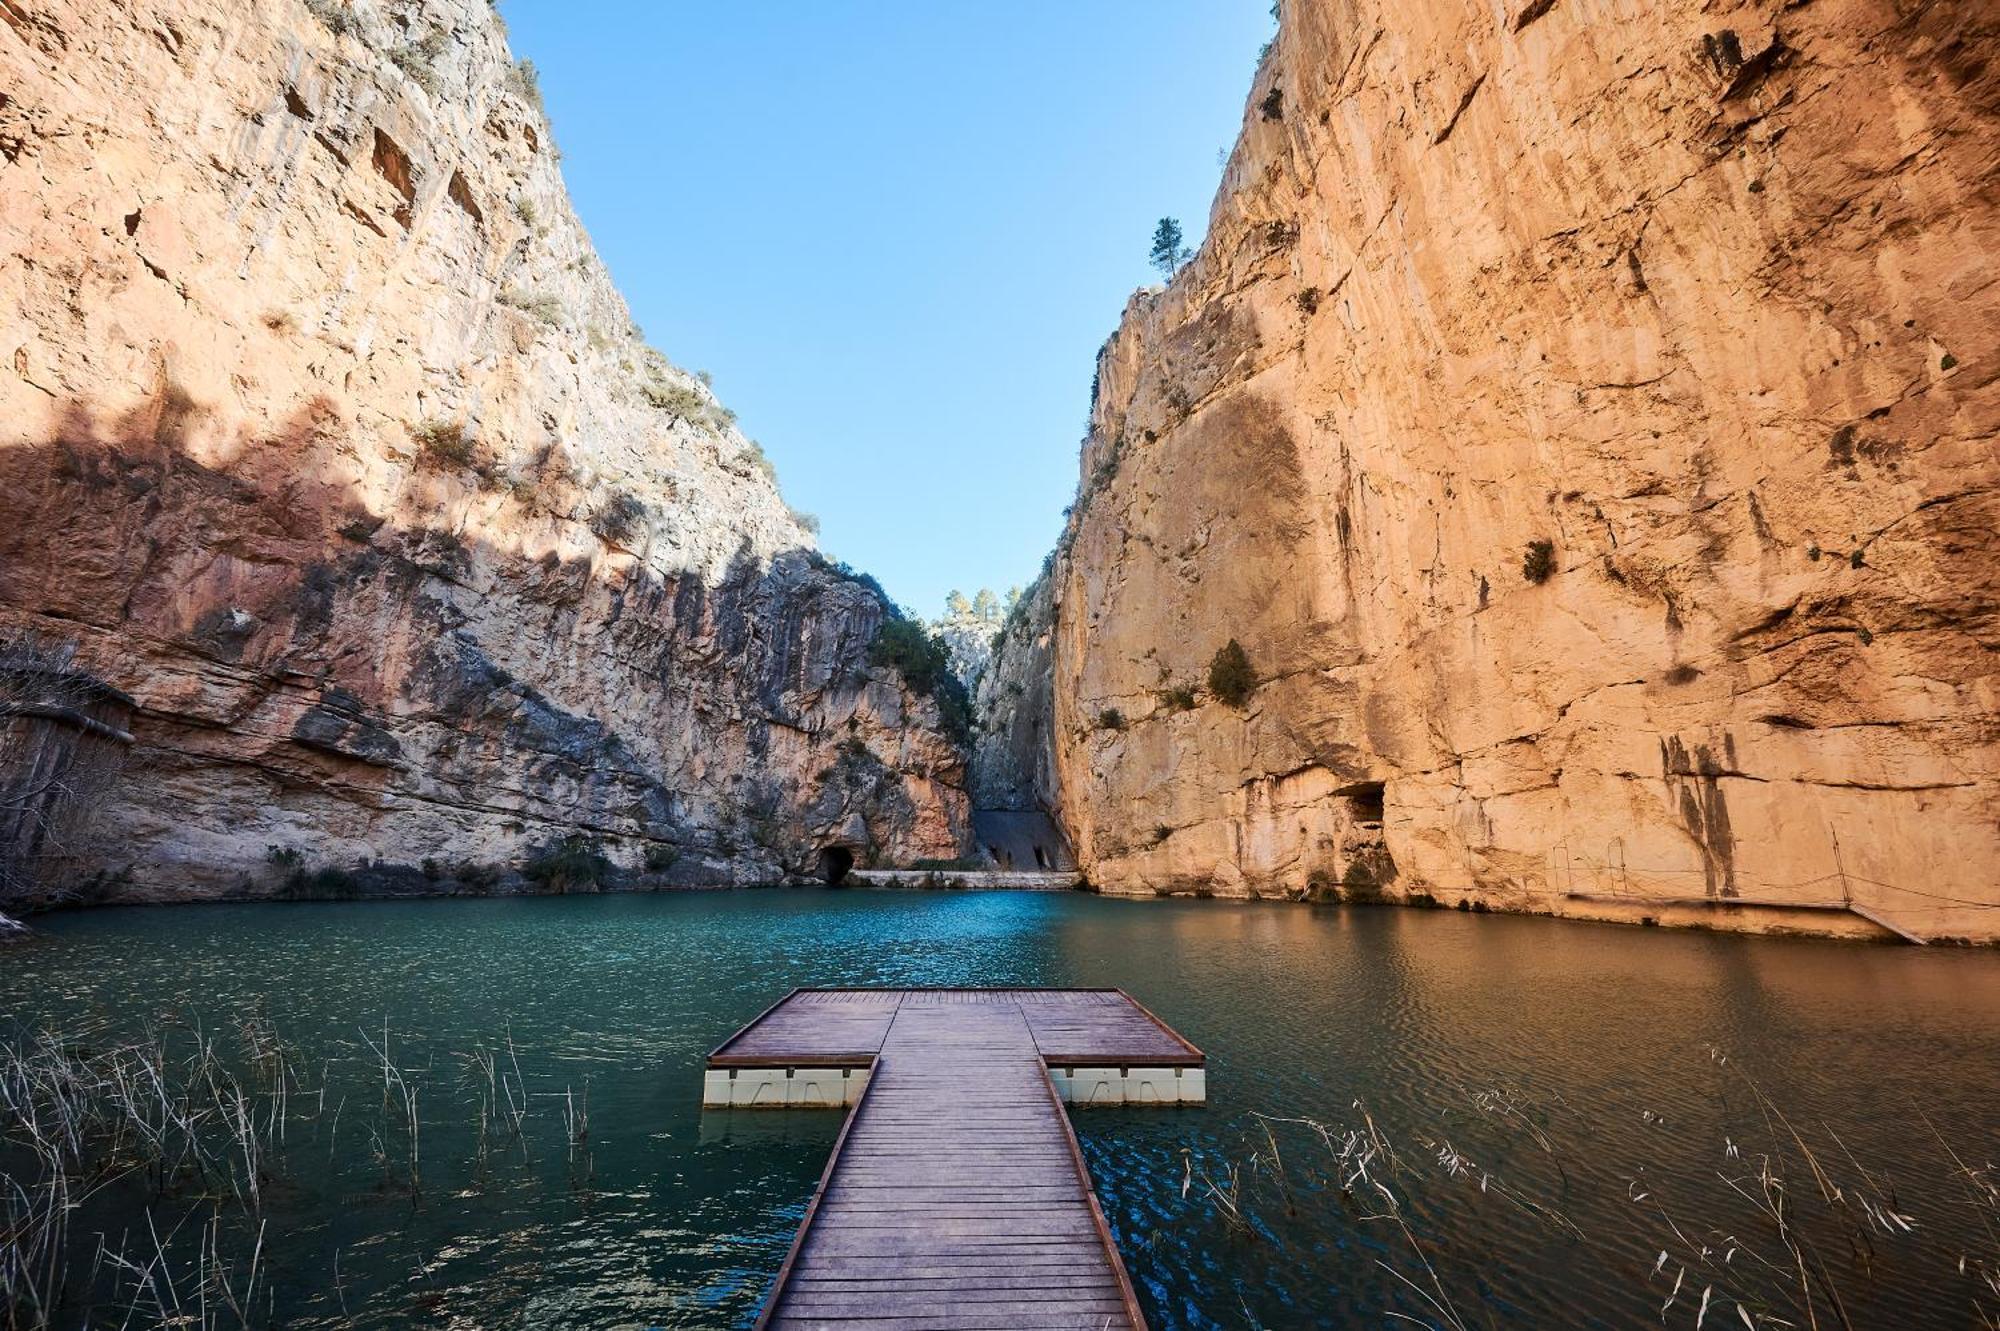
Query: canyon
1584, 418
1565, 480
331, 446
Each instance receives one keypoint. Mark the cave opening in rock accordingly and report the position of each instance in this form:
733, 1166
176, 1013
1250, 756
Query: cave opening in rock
835, 862
1365, 801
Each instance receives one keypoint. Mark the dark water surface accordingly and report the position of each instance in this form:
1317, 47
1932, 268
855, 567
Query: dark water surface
1554, 1106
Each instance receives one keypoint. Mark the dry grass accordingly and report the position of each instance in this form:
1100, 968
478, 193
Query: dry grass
1791, 1228
173, 1141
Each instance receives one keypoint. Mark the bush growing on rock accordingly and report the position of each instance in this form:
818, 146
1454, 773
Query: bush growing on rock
847, 573
1111, 719
1231, 677
1539, 562
618, 520
679, 399
916, 655
924, 662
418, 60
443, 445
545, 308
528, 83
334, 15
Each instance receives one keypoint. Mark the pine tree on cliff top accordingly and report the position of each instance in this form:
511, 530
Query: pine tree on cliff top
1168, 251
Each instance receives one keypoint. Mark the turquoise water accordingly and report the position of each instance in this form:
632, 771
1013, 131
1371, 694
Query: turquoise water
1564, 1103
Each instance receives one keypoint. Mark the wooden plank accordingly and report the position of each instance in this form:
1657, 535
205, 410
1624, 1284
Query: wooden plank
956, 1195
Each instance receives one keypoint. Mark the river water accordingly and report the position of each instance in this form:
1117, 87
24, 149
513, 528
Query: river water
1416, 1117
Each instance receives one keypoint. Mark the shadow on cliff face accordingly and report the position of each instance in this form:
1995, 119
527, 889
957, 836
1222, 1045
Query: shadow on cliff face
429, 691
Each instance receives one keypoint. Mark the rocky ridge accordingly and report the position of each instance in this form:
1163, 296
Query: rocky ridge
329, 439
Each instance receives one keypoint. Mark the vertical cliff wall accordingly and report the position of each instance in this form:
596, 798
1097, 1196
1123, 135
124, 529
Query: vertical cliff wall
326, 436
1584, 416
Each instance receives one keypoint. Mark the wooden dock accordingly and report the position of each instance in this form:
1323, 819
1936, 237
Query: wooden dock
956, 1196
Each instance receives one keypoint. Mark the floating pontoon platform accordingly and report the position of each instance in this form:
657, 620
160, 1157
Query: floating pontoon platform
956, 1196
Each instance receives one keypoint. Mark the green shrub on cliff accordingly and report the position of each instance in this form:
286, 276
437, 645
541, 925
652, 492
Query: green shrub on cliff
619, 520
1539, 562
678, 399
1231, 677
443, 445
924, 662
528, 83
752, 450
418, 60
537, 305
334, 14
918, 656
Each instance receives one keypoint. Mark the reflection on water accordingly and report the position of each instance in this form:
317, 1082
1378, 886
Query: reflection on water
1555, 1102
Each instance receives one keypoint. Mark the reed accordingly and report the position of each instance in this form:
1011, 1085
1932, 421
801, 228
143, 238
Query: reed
1794, 1226
178, 1135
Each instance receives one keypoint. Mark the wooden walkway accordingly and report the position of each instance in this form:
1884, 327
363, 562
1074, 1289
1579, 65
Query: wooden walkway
956, 1197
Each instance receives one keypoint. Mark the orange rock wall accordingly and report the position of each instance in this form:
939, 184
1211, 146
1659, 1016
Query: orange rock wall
1703, 296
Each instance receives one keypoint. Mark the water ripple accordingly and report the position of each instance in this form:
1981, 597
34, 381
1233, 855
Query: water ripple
1552, 1095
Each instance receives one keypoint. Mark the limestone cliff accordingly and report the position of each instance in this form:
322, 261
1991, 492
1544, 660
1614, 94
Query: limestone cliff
326, 436
1584, 416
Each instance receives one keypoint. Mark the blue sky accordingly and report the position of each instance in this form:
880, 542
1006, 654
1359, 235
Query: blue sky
896, 231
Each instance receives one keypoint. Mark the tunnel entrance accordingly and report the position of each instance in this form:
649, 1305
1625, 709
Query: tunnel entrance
835, 863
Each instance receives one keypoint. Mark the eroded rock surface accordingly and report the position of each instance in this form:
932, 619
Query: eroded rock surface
326, 435
1702, 297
